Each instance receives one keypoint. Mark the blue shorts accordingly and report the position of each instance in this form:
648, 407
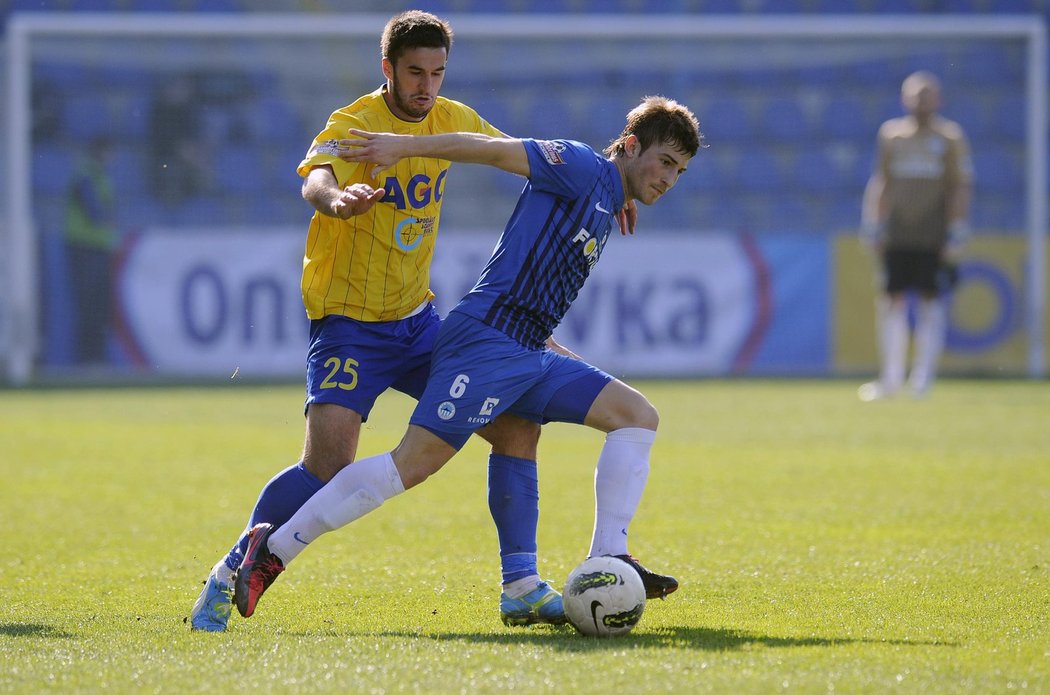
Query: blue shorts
350, 362
479, 372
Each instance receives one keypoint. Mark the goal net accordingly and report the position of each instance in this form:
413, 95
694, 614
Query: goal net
749, 266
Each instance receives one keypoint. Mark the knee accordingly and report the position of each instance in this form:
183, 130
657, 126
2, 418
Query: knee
645, 415
513, 436
637, 411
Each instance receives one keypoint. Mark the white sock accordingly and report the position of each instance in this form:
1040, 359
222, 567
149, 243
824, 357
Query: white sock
520, 587
893, 343
223, 573
619, 480
929, 341
353, 492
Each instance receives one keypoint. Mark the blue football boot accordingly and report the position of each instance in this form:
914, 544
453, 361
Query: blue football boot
212, 609
542, 605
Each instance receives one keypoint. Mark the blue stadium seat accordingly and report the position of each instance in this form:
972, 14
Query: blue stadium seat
92, 5
815, 171
199, 211
629, 6
790, 212
273, 117
494, 108
938, 62
726, 120
1011, 116
718, 212
137, 212
723, 6
551, 117
137, 117
66, 76
53, 167
970, 111
758, 170
998, 212
221, 6
706, 174
845, 117
242, 168
990, 65
991, 6
88, 116
605, 115
127, 169
998, 171
784, 118
159, 5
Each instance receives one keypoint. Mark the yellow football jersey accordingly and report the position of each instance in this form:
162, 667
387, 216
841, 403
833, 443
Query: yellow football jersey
376, 266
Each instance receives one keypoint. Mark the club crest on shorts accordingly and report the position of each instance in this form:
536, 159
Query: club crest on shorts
447, 410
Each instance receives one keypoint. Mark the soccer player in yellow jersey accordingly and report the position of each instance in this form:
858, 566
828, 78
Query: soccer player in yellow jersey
915, 217
366, 288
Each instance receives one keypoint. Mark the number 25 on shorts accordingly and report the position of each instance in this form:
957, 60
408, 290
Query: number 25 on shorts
342, 374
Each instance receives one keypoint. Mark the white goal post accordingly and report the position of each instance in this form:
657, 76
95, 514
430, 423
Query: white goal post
19, 317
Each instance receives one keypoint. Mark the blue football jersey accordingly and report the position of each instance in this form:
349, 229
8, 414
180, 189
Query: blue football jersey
553, 239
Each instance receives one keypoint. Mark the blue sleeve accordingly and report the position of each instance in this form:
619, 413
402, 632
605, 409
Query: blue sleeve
564, 168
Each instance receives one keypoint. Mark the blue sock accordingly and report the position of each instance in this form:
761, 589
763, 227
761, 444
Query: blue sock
279, 500
514, 502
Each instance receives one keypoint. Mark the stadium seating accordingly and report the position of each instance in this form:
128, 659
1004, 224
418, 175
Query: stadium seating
776, 144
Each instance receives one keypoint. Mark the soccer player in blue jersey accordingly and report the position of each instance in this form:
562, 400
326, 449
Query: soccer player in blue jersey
366, 289
490, 356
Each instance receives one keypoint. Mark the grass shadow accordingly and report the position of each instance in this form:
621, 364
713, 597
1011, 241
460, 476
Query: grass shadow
33, 630
695, 638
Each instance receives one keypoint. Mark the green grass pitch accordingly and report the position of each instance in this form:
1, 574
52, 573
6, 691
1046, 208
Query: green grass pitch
823, 545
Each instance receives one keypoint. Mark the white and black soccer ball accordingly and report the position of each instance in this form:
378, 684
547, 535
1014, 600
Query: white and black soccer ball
604, 597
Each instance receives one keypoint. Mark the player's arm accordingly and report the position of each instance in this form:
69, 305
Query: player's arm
321, 189
557, 347
959, 194
875, 203
386, 149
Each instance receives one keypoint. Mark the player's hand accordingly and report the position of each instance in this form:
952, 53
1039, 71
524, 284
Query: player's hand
627, 217
355, 199
555, 346
382, 149
951, 254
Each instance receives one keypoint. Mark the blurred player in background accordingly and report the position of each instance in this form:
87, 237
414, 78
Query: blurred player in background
490, 356
916, 219
91, 241
366, 287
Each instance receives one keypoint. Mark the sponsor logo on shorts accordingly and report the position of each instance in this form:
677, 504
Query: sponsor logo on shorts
447, 410
488, 405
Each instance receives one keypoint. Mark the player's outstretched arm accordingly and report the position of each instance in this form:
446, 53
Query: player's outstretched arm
386, 149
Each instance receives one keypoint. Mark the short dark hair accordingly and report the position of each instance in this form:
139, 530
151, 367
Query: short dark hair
659, 119
414, 29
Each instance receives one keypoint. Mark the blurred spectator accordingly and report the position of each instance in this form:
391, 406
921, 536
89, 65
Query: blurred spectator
178, 165
47, 111
91, 237
916, 219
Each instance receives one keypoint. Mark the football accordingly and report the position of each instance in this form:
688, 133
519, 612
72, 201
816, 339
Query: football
604, 597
